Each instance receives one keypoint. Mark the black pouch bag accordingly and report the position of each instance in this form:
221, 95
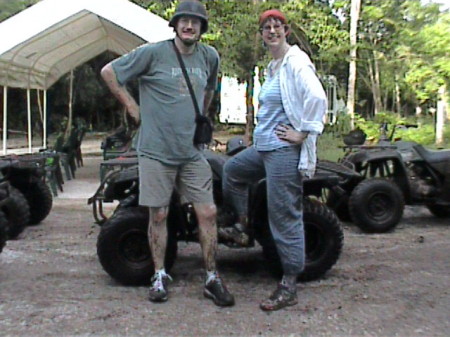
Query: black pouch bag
203, 130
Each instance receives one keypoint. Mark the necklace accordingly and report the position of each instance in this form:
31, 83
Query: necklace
274, 66
276, 63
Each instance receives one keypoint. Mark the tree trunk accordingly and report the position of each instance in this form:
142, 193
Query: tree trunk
98, 120
376, 85
354, 17
397, 96
385, 99
249, 91
250, 116
372, 82
440, 116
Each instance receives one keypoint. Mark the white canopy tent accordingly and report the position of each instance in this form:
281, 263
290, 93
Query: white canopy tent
51, 38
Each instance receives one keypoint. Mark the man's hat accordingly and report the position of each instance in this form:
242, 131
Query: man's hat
191, 8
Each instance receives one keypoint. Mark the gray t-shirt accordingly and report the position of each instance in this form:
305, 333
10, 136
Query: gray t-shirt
166, 108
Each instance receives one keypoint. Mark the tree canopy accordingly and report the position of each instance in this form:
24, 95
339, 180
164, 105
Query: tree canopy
403, 52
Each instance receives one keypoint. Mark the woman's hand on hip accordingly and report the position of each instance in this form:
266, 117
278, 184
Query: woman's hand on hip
289, 134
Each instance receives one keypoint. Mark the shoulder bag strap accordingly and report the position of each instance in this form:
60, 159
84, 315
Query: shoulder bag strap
186, 76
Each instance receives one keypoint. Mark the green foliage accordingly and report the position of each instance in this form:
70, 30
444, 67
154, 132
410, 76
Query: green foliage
9, 8
92, 100
329, 147
234, 33
372, 127
165, 9
342, 125
409, 40
424, 133
428, 56
330, 143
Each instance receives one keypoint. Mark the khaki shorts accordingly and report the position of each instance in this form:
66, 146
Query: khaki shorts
192, 180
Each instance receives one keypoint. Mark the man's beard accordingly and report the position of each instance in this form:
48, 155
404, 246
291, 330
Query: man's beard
188, 42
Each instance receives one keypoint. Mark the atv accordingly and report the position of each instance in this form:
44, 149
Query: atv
32, 198
3, 233
4, 200
119, 142
395, 174
122, 244
14, 205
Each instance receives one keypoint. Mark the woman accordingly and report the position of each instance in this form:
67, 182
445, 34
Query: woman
292, 106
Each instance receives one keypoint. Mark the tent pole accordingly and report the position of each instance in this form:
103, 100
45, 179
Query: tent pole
69, 122
29, 120
45, 120
5, 117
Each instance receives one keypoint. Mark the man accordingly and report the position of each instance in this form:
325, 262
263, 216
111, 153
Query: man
168, 158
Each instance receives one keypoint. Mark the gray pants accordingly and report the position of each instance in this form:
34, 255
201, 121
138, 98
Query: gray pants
284, 197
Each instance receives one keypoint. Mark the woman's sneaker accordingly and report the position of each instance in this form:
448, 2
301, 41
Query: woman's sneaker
158, 291
218, 292
282, 297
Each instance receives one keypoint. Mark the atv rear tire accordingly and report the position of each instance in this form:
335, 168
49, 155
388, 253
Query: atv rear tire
17, 212
123, 249
39, 199
439, 211
324, 240
3, 231
376, 205
339, 204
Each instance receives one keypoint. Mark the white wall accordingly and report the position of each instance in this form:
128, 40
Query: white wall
232, 100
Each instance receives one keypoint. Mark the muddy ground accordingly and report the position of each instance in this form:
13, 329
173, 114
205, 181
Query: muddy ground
51, 283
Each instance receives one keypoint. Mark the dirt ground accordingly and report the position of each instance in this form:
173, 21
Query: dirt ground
51, 283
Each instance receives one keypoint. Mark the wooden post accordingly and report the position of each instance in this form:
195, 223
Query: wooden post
44, 126
5, 118
30, 145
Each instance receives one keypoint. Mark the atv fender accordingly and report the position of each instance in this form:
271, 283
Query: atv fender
374, 155
373, 158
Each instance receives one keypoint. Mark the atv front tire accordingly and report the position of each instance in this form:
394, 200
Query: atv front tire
123, 248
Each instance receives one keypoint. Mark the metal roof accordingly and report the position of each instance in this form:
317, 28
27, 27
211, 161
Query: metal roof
52, 37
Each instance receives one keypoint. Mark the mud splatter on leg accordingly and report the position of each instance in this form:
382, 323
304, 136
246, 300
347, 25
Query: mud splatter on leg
157, 235
206, 215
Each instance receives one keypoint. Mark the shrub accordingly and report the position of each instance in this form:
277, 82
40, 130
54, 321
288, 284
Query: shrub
330, 142
329, 147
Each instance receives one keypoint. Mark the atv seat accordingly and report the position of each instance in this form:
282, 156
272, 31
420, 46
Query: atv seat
439, 160
432, 156
216, 161
118, 163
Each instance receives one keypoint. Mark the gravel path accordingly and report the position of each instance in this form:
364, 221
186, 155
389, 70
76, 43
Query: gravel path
51, 283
